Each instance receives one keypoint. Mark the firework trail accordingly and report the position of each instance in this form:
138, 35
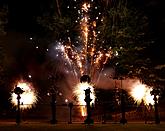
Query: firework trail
86, 58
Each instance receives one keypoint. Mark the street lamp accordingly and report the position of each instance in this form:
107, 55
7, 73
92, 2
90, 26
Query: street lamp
18, 91
53, 94
123, 119
53, 105
156, 92
86, 78
88, 100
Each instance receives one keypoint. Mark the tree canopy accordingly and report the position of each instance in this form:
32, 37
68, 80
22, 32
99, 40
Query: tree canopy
124, 28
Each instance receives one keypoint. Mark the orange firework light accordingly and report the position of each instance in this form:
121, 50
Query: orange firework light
86, 58
79, 91
28, 97
141, 92
88, 55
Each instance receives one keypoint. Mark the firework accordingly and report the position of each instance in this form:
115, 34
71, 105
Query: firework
141, 92
84, 57
28, 97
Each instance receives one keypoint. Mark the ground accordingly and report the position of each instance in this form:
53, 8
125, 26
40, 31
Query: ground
11, 126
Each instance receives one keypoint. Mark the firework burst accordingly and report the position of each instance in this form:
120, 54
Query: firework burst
28, 97
141, 92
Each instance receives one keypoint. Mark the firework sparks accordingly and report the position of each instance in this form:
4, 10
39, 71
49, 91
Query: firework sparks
85, 57
28, 97
85, 7
79, 91
141, 92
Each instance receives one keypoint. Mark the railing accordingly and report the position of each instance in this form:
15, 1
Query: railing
68, 114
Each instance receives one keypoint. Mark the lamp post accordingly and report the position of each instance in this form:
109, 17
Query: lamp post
123, 119
18, 91
70, 112
156, 92
104, 114
86, 78
53, 94
88, 100
53, 106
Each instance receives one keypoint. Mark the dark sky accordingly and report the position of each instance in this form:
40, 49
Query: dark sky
154, 9
23, 13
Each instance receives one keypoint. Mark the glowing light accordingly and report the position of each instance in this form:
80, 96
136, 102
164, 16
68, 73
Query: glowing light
85, 7
60, 94
28, 97
29, 76
141, 92
80, 94
66, 100
116, 53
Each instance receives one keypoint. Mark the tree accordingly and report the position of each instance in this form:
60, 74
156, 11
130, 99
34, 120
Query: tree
55, 26
126, 31
4, 93
3, 23
54, 22
3, 20
58, 7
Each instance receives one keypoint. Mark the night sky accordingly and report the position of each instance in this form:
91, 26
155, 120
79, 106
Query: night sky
22, 13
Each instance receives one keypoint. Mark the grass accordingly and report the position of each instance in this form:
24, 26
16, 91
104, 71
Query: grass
81, 127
